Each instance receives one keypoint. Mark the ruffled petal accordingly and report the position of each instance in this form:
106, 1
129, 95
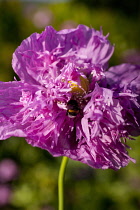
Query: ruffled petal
56, 134
124, 79
42, 56
126, 76
10, 107
103, 115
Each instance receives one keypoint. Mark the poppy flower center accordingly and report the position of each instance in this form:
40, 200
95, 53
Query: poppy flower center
81, 87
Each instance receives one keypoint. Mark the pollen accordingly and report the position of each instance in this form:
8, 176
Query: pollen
81, 88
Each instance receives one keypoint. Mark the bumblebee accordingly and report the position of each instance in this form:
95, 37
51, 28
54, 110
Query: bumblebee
72, 108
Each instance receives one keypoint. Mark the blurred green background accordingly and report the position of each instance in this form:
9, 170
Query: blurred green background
33, 184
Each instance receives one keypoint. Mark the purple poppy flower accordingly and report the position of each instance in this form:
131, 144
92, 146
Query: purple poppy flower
60, 105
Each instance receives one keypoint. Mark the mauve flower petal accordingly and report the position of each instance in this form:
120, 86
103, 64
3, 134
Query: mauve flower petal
51, 50
55, 133
124, 76
106, 129
125, 79
12, 108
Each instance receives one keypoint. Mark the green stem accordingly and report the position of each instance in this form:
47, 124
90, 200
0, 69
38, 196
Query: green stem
61, 181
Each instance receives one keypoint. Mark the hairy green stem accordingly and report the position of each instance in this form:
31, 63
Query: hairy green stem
61, 182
